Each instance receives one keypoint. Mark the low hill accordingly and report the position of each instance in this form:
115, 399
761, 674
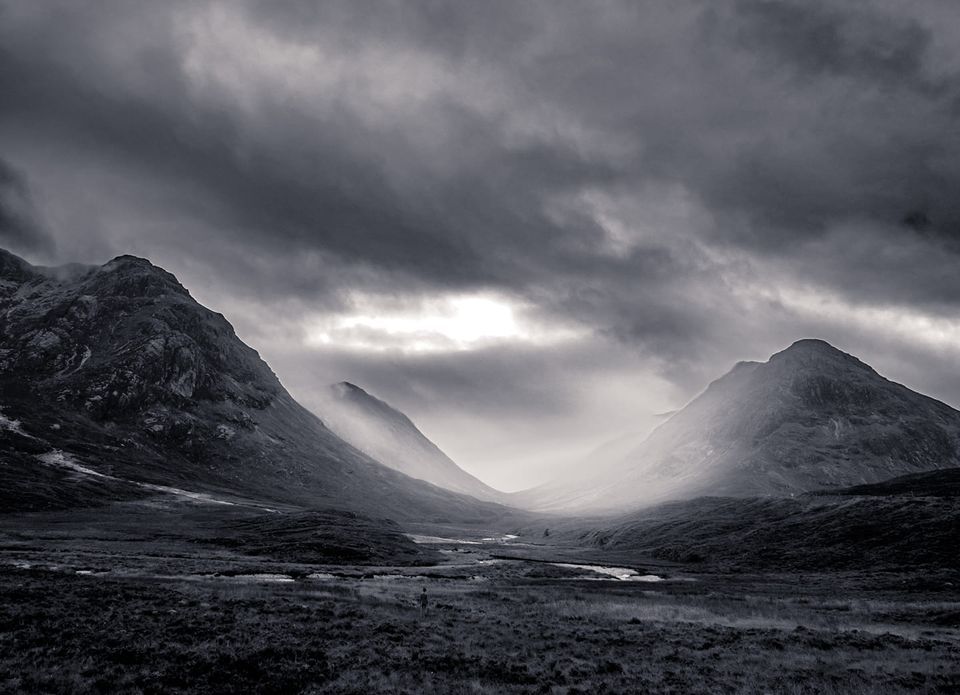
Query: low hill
943, 483
908, 521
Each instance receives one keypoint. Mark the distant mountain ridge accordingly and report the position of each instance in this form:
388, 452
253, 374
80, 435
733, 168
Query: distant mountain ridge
386, 434
811, 417
113, 378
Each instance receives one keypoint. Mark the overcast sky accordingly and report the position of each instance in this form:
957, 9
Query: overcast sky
529, 225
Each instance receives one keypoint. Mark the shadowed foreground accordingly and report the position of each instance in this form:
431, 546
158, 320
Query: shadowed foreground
196, 621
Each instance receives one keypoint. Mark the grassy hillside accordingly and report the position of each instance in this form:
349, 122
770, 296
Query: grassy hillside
859, 529
945, 483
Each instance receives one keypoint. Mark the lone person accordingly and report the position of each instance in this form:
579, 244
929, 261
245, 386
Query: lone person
423, 603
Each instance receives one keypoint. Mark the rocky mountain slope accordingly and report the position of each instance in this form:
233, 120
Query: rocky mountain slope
811, 417
114, 383
389, 436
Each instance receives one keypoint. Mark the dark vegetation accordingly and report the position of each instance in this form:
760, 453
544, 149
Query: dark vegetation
177, 596
912, 521
164, 526
323, 537
491, 628
945, 483
780, 534
26, 485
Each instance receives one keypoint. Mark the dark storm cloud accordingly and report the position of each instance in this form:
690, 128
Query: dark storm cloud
820, 39
19, 227
839, 117
702, 105
299, 181
337, 204
683, 178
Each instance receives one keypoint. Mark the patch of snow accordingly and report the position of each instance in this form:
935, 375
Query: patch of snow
66, 371
321, 575
86, 356
187, 494
64, 460
11, 425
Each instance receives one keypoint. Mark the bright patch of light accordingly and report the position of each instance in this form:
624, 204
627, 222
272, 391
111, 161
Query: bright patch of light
461, 320
447, 324
905, 323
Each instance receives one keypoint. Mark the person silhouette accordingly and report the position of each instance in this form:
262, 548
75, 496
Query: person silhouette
423, 603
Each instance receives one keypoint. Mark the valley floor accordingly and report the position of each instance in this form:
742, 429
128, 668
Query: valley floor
105, 614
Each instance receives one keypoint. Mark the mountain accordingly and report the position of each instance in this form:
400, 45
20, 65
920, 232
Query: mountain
811, 417
115, 384
389, 436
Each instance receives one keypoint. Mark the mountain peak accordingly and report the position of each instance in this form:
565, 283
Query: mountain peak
134, 265
812, 344
134, 276
343, 388
12, 267
813, 352
346, 392
127, 259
